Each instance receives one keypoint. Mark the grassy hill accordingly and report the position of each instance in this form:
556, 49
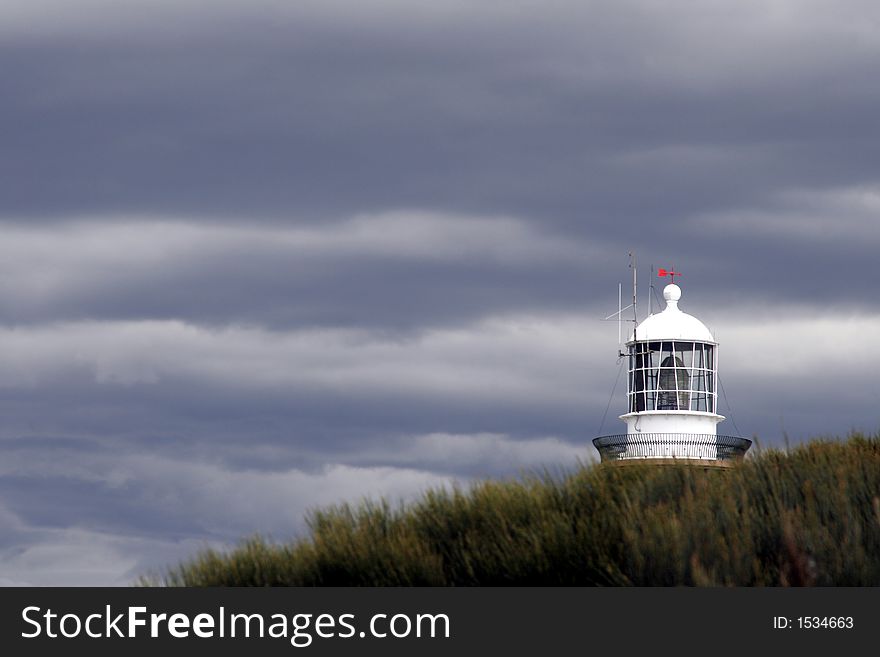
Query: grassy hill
808, 516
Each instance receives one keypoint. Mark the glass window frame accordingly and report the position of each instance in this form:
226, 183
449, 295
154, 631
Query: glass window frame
693, 372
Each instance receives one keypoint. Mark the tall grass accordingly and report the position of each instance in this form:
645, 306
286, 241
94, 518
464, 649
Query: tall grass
807, 516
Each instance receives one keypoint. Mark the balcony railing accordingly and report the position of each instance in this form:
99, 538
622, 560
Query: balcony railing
671, 445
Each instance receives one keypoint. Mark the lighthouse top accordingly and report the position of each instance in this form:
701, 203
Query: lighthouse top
672, 323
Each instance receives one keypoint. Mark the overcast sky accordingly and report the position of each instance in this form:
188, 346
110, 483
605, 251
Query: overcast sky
259, 257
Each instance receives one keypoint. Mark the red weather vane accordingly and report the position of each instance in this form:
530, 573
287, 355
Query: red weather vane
668, 272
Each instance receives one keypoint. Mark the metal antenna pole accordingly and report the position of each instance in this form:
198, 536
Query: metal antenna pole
635, 290
619, 317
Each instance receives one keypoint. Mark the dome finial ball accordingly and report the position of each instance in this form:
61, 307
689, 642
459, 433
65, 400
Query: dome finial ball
672, 293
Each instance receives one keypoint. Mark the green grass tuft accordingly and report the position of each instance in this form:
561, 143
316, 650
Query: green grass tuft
805, 516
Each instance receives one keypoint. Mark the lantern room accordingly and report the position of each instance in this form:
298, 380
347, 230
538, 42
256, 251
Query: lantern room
672, 398
672, 375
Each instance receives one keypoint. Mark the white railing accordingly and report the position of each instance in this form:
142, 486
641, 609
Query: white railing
671, 445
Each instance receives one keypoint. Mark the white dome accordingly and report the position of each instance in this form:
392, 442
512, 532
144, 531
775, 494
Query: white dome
672, 324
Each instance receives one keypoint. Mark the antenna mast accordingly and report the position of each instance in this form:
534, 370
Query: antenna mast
619, 317
632, 265
620, 309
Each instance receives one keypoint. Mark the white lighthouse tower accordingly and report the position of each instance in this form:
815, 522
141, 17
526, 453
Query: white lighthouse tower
672, 397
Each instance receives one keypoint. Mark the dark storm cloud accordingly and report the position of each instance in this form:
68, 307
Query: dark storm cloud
550, 114
258, 257
622, 122
400, 270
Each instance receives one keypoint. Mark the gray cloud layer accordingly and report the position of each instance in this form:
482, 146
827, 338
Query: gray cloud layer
258, 257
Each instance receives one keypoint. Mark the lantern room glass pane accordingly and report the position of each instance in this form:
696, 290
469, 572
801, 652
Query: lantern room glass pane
671, 375
674, 384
